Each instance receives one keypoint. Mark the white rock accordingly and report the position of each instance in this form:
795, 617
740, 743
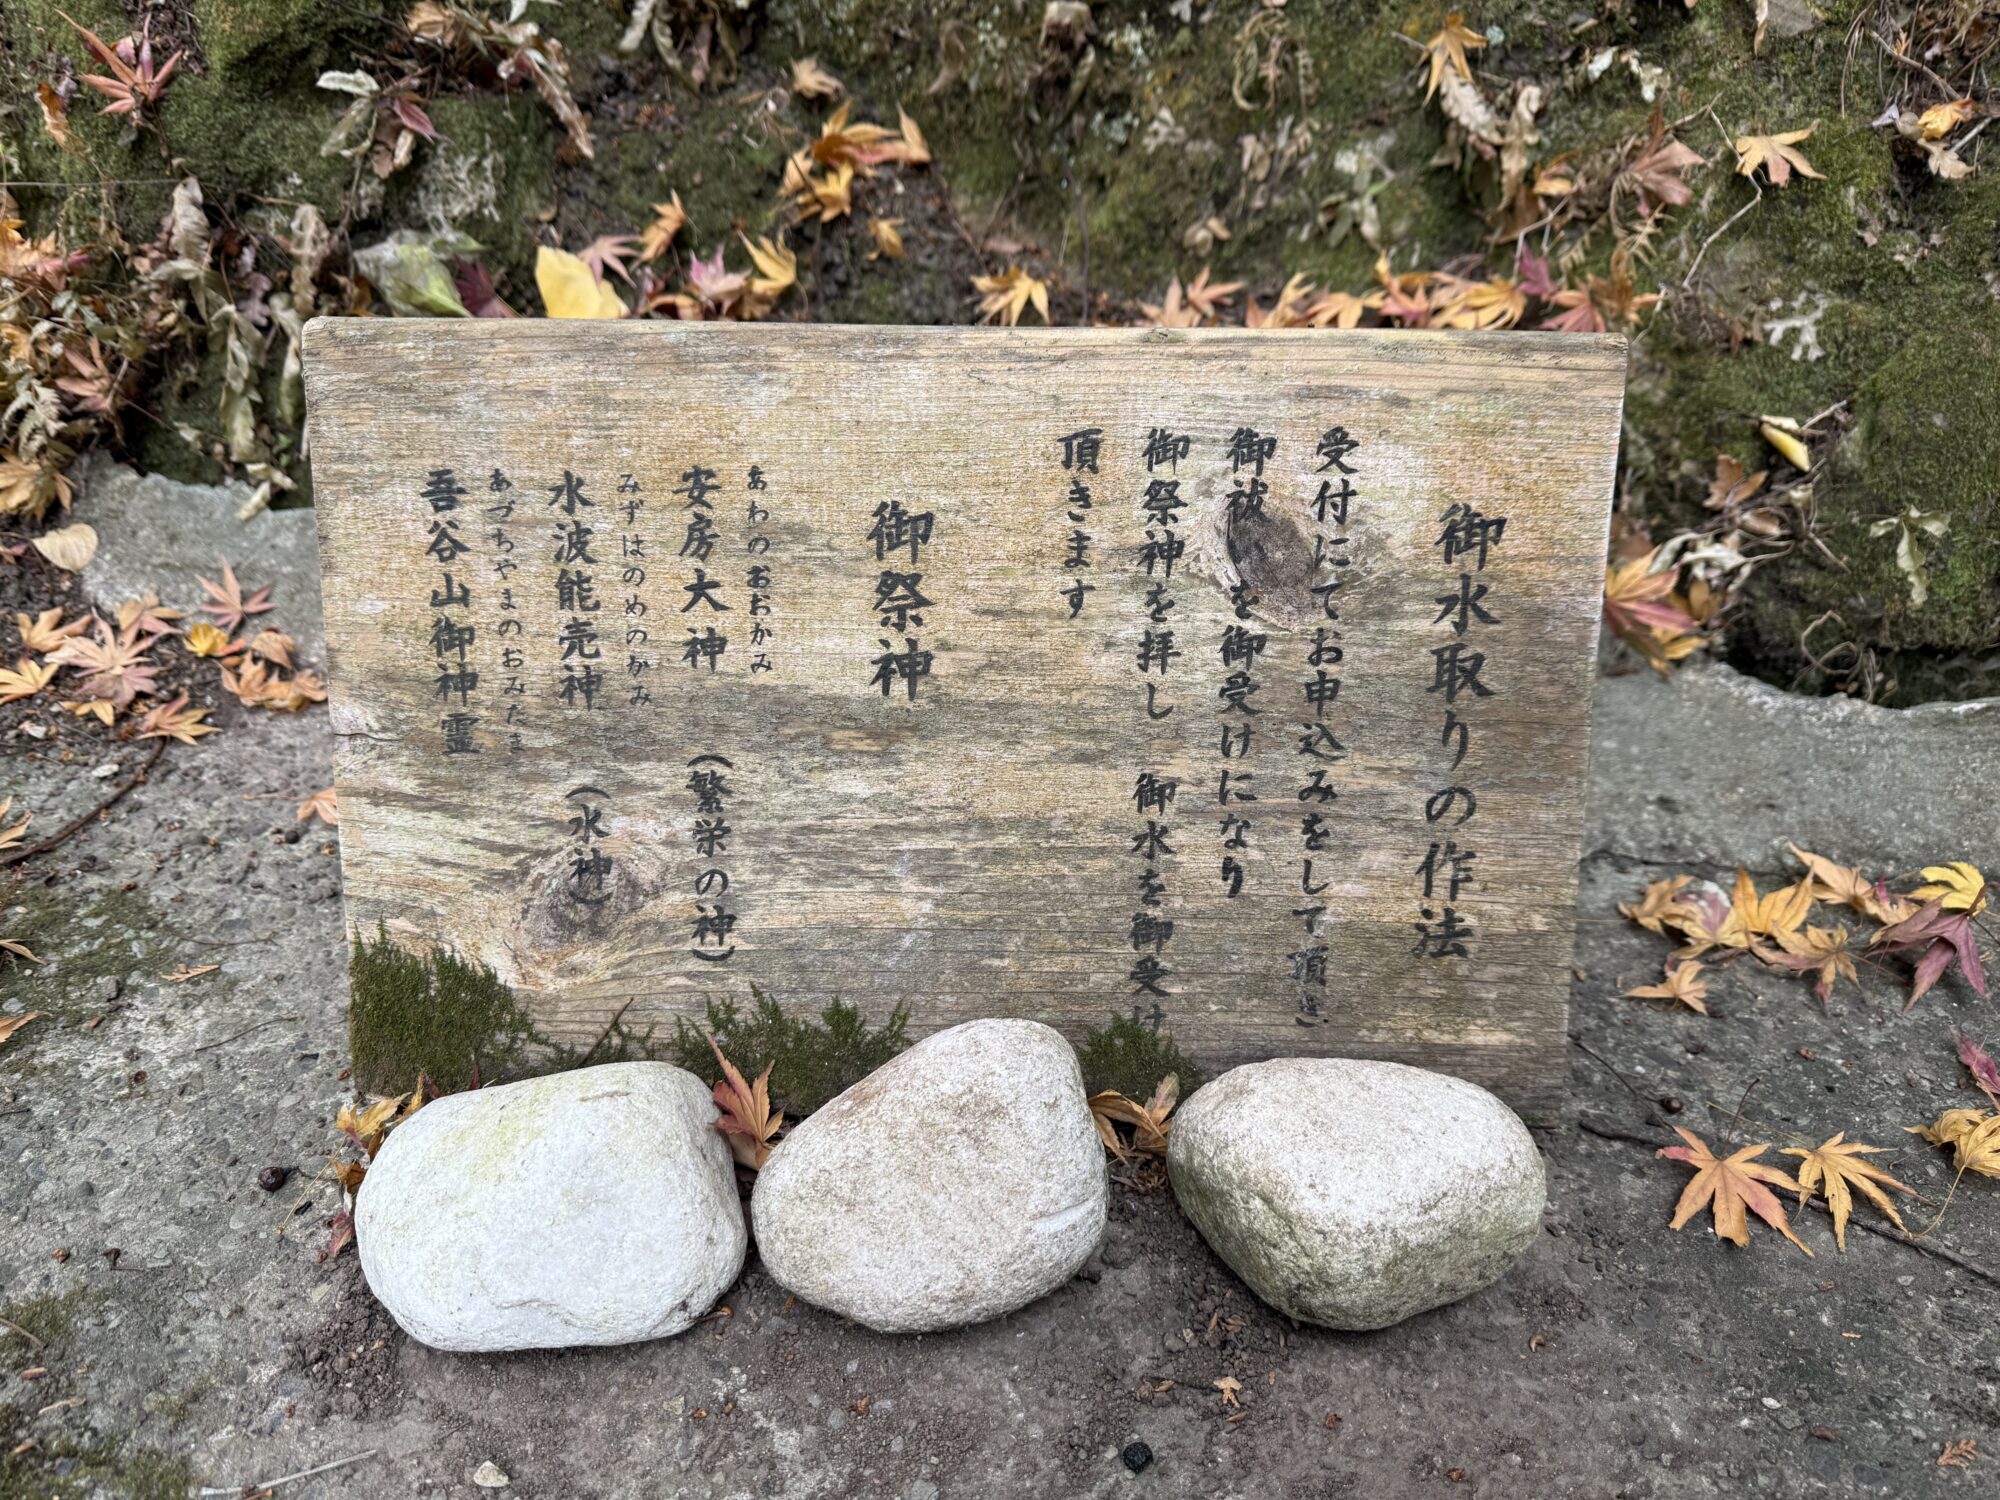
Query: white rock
1356, 1194
955, 1183
597, 1206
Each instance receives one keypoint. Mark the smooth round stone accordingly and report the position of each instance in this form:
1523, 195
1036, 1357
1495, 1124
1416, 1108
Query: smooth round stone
597, 1206
1356, 1194
959, 1181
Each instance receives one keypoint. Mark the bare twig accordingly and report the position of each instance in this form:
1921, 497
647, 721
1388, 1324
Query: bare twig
271, 1484
239, 1035
76, 825
10, 1323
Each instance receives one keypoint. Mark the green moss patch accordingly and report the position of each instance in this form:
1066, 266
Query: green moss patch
1132, 1058
810, 1061
430, 1013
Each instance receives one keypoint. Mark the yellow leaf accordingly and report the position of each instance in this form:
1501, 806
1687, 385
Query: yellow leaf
46, 632
70, 548
1448, 49
1972, 1134
1783, 434
26, 680
887, 234
1683, 983
570, 289
1957, 886
1009, 294
916, 150
1775, 154
1941, 120
1833, 1167
669, 220
11, 1024
1847, 886
811, 81
1660, 905
777, 267
203, 639
1726, 1186
324, 804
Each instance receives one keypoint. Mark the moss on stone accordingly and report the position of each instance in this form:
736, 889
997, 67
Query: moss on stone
810, 1061
1132, 1058
430, 1013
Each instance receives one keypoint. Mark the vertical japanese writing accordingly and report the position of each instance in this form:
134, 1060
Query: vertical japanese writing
757, 576
705, 644
1466, 538
582, 653
1076, 505
451, 639
713, 938
633, 559
589, 878
1248, 451
899, 538
508, 628
1319, 747
1160, 506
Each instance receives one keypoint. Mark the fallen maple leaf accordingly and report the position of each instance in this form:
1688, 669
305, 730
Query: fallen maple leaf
1149, 1121
811, 81
747, 1117
916, 150
606, 256
25, 680
1753, 916
1833, 1167
1941, 120
1978, 1061
1957, 886
46, 632
274, 646
1972, 1134
1009, 294
1940, 939
1656, 170
203, 639
324, 804
1660, 905
135, 83
1775, 154
1732, 485
1683, 983
1820, 949
175, 721
148, 616
9, 837
888, 238
115, 666
1846, 885
1959, 1453
1642, 610
227, 603
1729, 1185
669, 220
1448, 49
777, 266
11, 1024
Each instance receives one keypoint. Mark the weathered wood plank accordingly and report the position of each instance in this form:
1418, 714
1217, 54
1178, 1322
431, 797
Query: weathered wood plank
976, 848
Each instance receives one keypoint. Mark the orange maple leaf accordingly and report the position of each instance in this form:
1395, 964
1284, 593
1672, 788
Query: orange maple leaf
1727, 1186
747, 1117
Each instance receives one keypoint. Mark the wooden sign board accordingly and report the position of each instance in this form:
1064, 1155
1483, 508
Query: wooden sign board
1237, 682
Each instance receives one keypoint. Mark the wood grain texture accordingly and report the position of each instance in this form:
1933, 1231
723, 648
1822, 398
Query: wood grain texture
971, 850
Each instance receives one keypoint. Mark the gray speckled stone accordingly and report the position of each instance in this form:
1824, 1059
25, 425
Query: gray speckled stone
592, 1207
1356, 1194
955, 1183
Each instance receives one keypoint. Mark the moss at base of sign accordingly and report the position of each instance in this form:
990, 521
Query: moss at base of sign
1132, 1058
810, 1061
433, 1013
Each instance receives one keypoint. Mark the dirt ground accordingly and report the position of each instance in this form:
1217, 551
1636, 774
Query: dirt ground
192, 1337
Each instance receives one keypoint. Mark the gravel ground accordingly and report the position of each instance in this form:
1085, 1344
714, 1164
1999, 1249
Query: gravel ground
192, 1337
